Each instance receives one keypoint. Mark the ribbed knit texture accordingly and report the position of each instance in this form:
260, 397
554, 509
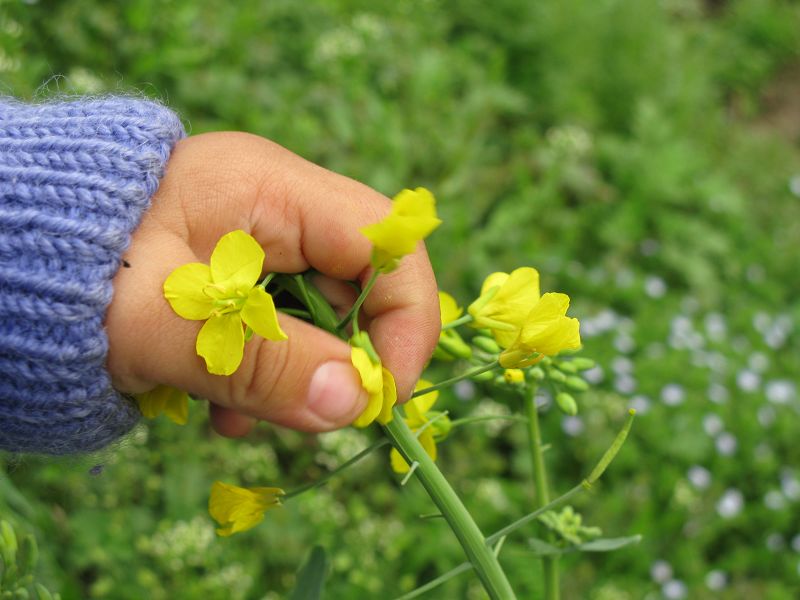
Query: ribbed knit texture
75, 179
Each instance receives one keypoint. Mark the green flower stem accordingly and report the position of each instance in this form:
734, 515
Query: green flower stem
470, 420
458, 322
324, 479
549, 563
584, 485
457, 378
359, 301
469, 535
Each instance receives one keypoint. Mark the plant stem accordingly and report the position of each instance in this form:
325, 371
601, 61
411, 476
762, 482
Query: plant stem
549, 563
324, 479
457, 378
359, 301
466, 530
583, 486
460, 321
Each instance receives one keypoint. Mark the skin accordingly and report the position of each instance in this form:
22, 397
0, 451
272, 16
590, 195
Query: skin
304, 217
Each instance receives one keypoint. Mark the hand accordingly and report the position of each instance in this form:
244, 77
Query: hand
304, 217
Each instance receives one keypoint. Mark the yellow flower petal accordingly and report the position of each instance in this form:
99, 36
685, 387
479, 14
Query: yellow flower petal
371, 412
448, 308
152, 403
184, 290
389, 397
416, 408
238, 509
505, 302
546, 331
260, 314
371, 375
236, 262
399, 464
221, 343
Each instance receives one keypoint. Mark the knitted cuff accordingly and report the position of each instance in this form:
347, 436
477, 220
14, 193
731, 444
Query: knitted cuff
75, 179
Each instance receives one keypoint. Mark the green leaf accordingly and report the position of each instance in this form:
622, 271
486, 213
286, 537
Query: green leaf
311, 576
609, 544
542, 548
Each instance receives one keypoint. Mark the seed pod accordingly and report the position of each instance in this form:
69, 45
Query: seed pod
567, 367
567, 404
583, 364
576, 384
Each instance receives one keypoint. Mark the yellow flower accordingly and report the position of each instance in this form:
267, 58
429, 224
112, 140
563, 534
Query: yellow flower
239, 509
505, 302
417, 411
164, 399
546, 332
413, 218
450, 343
224, 294
379, 384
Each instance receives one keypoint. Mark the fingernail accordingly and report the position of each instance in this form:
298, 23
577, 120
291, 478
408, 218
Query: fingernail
335, 393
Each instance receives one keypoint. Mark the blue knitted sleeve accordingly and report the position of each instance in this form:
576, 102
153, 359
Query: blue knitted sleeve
75, 179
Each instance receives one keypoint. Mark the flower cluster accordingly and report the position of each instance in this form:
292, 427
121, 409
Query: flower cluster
527, 325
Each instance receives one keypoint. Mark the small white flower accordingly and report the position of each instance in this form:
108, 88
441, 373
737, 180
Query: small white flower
674, 590
712, 424
661, 571
673, 394
726, 443
730, 503
699, 477
716, 580
655, 287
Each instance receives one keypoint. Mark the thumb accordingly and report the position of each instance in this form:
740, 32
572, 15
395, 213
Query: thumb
306, 382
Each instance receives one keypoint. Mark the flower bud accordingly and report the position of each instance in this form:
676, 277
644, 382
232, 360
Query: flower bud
567, 367
514, 376
583, 364
556, 375
451, 343
485, 376
486, 344
566, 403
576, 384
536, 373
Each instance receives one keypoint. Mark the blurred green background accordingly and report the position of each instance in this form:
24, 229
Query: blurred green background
642, 155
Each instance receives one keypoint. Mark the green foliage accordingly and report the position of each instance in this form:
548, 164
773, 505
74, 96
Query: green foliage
623, 148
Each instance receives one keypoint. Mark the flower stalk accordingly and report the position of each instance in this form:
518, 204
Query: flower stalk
455, 513
542, 490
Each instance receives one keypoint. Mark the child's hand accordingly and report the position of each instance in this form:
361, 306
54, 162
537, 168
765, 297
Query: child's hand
304, 217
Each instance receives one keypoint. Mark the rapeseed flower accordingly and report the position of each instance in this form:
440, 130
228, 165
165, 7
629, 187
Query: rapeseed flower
546, 332
417, 414
224, 294
376, 379
412, 218
238, 509
505, 301
164, 399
